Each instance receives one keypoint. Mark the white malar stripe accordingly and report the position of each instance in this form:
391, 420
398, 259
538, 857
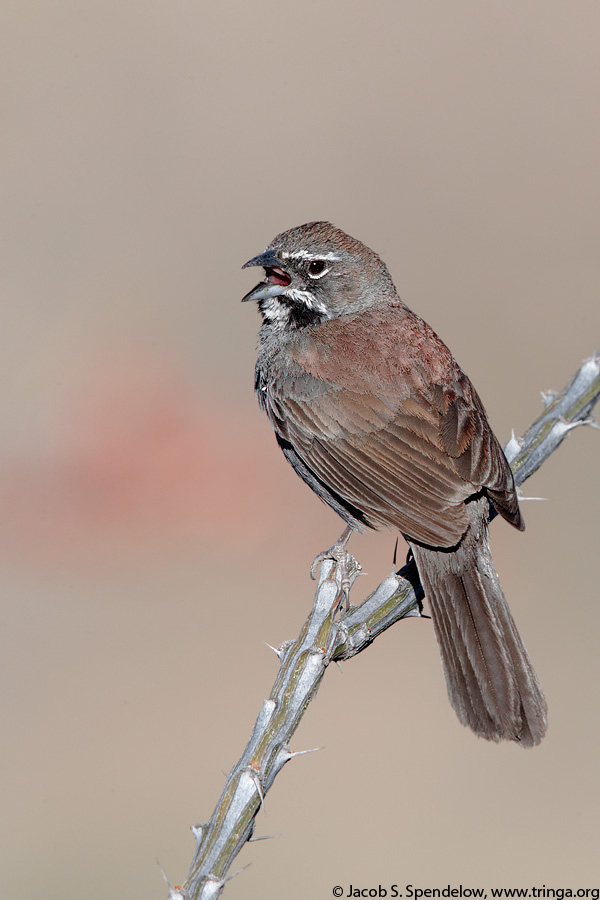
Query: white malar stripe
306, 254
279, 315
275, 312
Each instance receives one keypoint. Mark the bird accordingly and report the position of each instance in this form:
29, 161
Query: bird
373, 412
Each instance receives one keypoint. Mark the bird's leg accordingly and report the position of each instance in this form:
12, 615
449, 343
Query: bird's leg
339, 554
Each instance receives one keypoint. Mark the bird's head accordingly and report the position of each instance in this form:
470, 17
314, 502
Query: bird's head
317, 272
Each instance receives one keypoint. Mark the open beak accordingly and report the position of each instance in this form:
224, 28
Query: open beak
275, 283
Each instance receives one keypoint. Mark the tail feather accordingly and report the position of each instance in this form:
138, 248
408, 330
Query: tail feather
491, 682
460, 676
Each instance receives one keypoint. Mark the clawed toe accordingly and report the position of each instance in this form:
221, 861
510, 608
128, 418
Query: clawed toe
339, 554
319, 558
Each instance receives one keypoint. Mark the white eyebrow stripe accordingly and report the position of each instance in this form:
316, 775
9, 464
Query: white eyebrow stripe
306, 254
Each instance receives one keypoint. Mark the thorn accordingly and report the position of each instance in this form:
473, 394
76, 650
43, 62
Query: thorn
235, 874
513, 446
523, 497
263, 837
590, 420
213, 886
256, 779
162, 872
303, 752
569, 426
339, 637
198, 832
174, 891
549, 396
274, 649
395, 556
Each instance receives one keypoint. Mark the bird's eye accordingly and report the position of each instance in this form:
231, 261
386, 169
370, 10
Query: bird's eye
317, 268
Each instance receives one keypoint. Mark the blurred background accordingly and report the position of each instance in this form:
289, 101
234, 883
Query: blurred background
152, 535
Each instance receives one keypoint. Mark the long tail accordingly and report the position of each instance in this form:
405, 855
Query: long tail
491, 682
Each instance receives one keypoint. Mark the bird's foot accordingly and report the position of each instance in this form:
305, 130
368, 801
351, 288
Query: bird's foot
346, 564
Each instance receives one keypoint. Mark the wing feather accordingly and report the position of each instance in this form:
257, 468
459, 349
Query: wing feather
405, 448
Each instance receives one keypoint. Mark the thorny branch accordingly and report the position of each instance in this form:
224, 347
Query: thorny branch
327, 636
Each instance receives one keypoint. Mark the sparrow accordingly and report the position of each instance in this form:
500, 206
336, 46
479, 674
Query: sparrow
375, 415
